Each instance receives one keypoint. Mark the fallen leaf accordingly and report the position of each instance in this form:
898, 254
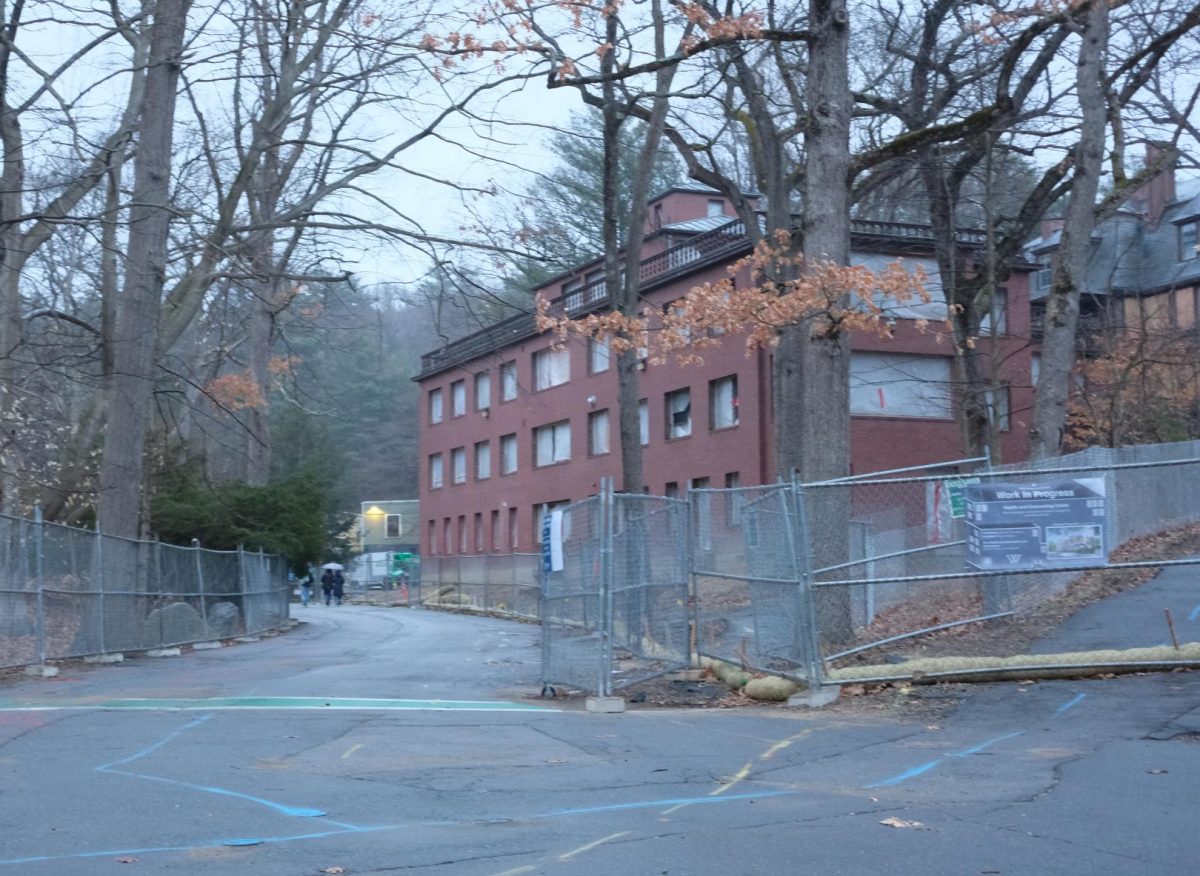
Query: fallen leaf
900, 822
127, 860
1157, 772
333, 870
932, 727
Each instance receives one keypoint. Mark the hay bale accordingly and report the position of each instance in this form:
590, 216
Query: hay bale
772, 688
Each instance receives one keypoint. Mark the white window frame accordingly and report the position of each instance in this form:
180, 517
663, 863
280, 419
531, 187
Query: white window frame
900, 385
598, 433
1000, 305
678, 407
723, 402
437, 408
551, 368
437, 474
508, 453
644, 422
458, 464
458, 398
552, 443
509, 385
1189, 241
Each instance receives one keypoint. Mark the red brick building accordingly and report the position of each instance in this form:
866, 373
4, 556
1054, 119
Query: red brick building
511, 426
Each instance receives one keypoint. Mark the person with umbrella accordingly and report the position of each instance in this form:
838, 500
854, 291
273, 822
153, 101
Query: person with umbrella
332, 583
327, 584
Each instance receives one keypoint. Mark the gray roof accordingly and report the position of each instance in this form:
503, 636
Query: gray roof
698, 226
1131, 258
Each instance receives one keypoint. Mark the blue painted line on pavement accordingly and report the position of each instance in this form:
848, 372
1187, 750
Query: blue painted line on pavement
926, 767
651, 804
1195, 613
1070, 704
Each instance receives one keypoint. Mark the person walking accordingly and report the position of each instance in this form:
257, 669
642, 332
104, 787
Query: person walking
327, 585
339, 586
306, 586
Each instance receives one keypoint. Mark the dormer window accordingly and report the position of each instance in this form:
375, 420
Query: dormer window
716, 207
1189, 240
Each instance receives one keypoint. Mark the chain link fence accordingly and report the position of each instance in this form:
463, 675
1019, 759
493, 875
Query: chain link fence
67, 592
504, 584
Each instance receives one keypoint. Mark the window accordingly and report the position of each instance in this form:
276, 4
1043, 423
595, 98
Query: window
716, 207
483, 460
458, 398
1044, 275
900, 385
679, 413
483, 391
1189, 240
478, 527
723, 403
552, 443
462, 533
998, 405
508, 454
435, 405
391, 526
447, 544
540, 511
915, 307
512, 528
671, 491
495, 530
598, 432
508, 381
431, 537
551, 368
644, 422
735, 500
999, 306
458, 464
598, 355
435, 471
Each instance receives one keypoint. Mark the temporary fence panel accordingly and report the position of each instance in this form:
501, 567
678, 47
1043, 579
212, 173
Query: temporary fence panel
575, 648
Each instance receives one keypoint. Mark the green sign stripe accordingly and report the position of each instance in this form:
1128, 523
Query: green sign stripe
315, 703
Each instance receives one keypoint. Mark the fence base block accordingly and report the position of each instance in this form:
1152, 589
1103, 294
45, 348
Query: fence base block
163, 652
207, 646
815, 698
246, 640
604, 705
42, 671
104, 658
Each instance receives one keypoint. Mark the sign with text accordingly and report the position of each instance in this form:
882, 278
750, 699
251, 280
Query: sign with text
1026, 526
552, 541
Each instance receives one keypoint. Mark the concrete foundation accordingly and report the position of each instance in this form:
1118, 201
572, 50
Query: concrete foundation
207, 646
246, 640
164, 652
104, 658
604, 705
42, 671
815, 698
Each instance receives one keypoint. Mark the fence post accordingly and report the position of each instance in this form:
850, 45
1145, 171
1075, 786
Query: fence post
604, 688
200, 587
806, 621
99, 570
37, 573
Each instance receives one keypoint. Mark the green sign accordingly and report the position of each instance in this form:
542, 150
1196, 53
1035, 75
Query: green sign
958, 498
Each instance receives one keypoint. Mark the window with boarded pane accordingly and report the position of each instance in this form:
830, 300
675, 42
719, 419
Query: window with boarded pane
435, 471
458, 464
435, 405
552, 443
723, 402
551, 368
508, 381
679, 413
890, 384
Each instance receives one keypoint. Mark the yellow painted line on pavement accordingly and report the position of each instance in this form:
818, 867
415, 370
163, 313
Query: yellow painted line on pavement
352, 749
579, 851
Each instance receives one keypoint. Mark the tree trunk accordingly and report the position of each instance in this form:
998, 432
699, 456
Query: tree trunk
1071, 259
134, 343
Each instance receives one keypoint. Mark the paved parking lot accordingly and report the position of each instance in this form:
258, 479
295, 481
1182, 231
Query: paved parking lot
380, 740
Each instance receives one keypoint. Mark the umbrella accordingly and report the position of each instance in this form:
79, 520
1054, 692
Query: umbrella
333, 566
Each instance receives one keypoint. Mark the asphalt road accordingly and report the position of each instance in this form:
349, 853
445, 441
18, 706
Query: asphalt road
381, 740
